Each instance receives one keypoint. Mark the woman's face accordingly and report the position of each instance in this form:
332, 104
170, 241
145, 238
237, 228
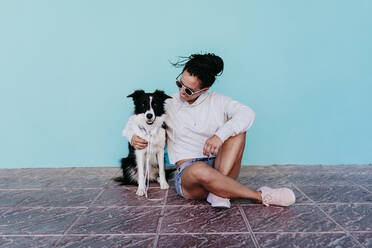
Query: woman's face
192, 83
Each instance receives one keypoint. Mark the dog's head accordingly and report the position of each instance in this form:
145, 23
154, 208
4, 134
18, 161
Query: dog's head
150, 105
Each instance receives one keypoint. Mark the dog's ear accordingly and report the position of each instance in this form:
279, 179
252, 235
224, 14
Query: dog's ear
136, 94
161, 94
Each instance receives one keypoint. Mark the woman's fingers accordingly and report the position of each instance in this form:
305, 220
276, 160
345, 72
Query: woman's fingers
215, 152
138, 143
209, 150
206, 149
139, 140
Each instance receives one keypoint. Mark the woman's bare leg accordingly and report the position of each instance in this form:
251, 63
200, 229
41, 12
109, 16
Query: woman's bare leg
229, 159
199, 179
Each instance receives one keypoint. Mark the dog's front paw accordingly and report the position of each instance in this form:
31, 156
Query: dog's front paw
141, 191
164, 185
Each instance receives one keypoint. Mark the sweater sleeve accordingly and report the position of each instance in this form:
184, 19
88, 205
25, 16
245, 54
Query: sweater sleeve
128, 131
239, 118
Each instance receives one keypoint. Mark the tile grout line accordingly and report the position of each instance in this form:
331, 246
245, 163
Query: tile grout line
360, 186
346, 231
326, 214
158, 229
173, 206
105, 185
169, 234
79, 217
311, 200
253, 236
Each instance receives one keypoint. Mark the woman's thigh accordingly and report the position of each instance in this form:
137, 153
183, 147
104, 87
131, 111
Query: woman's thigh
228, 161
191, 180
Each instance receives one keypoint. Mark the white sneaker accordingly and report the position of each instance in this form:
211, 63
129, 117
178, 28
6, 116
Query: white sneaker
218, 202
279, 197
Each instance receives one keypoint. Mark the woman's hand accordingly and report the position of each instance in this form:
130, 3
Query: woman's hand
138, 143
212, 146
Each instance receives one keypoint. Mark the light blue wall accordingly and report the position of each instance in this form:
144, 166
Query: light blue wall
66, 67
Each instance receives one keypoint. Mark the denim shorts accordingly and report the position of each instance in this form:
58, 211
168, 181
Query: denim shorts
177, 181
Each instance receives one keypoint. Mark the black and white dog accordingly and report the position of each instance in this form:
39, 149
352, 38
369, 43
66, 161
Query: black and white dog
147, 122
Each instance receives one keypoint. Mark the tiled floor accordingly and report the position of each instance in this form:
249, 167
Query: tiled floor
83, 207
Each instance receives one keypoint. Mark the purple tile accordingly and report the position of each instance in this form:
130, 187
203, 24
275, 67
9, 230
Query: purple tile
297, 218
304, 240
337, 193
202, 219
79, 182
206, 240
243, 202
23, 182
256, 170
37, 220
28, 241
362, 179
106, 172
368, 187
34, 172
264, 179
107, 241
350, 169
117, 220
298, 169
353, 217
300, 198
364, 238
58, 197
12, 198
125, 196
318, 179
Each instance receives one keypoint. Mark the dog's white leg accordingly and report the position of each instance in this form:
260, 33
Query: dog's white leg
140, 157
162, 180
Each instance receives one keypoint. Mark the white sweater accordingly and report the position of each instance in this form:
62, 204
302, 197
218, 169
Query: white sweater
190, 125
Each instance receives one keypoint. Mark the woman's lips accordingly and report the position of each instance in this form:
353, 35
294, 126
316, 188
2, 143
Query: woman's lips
183, 97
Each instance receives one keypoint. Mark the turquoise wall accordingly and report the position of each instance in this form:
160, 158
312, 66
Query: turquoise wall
66, 67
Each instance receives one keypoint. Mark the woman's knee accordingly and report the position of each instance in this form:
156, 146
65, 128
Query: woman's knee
235, 143
239, 137
202, 172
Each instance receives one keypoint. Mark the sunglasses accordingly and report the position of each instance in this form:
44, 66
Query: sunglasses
188, 91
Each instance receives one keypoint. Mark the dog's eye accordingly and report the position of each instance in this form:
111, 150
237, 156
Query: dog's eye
143, 105
154, 104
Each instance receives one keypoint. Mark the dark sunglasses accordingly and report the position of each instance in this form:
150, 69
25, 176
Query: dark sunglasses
188, 91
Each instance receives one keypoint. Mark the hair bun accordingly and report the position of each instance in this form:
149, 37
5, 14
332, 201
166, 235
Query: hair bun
216, 63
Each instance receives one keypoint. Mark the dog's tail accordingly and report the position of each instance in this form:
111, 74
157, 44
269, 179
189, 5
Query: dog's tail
126, 178
169, 172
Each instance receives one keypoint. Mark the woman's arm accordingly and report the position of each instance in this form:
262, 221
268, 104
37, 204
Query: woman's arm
240, 118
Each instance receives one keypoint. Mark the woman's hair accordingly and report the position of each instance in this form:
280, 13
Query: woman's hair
204, 66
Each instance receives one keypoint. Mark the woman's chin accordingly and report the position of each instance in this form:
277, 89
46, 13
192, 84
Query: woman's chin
183, 99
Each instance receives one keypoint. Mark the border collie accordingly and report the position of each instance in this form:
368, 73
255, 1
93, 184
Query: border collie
147, 122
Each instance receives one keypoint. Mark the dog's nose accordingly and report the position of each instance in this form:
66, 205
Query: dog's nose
149, 116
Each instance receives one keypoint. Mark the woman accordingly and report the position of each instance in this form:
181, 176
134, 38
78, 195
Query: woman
206, 138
